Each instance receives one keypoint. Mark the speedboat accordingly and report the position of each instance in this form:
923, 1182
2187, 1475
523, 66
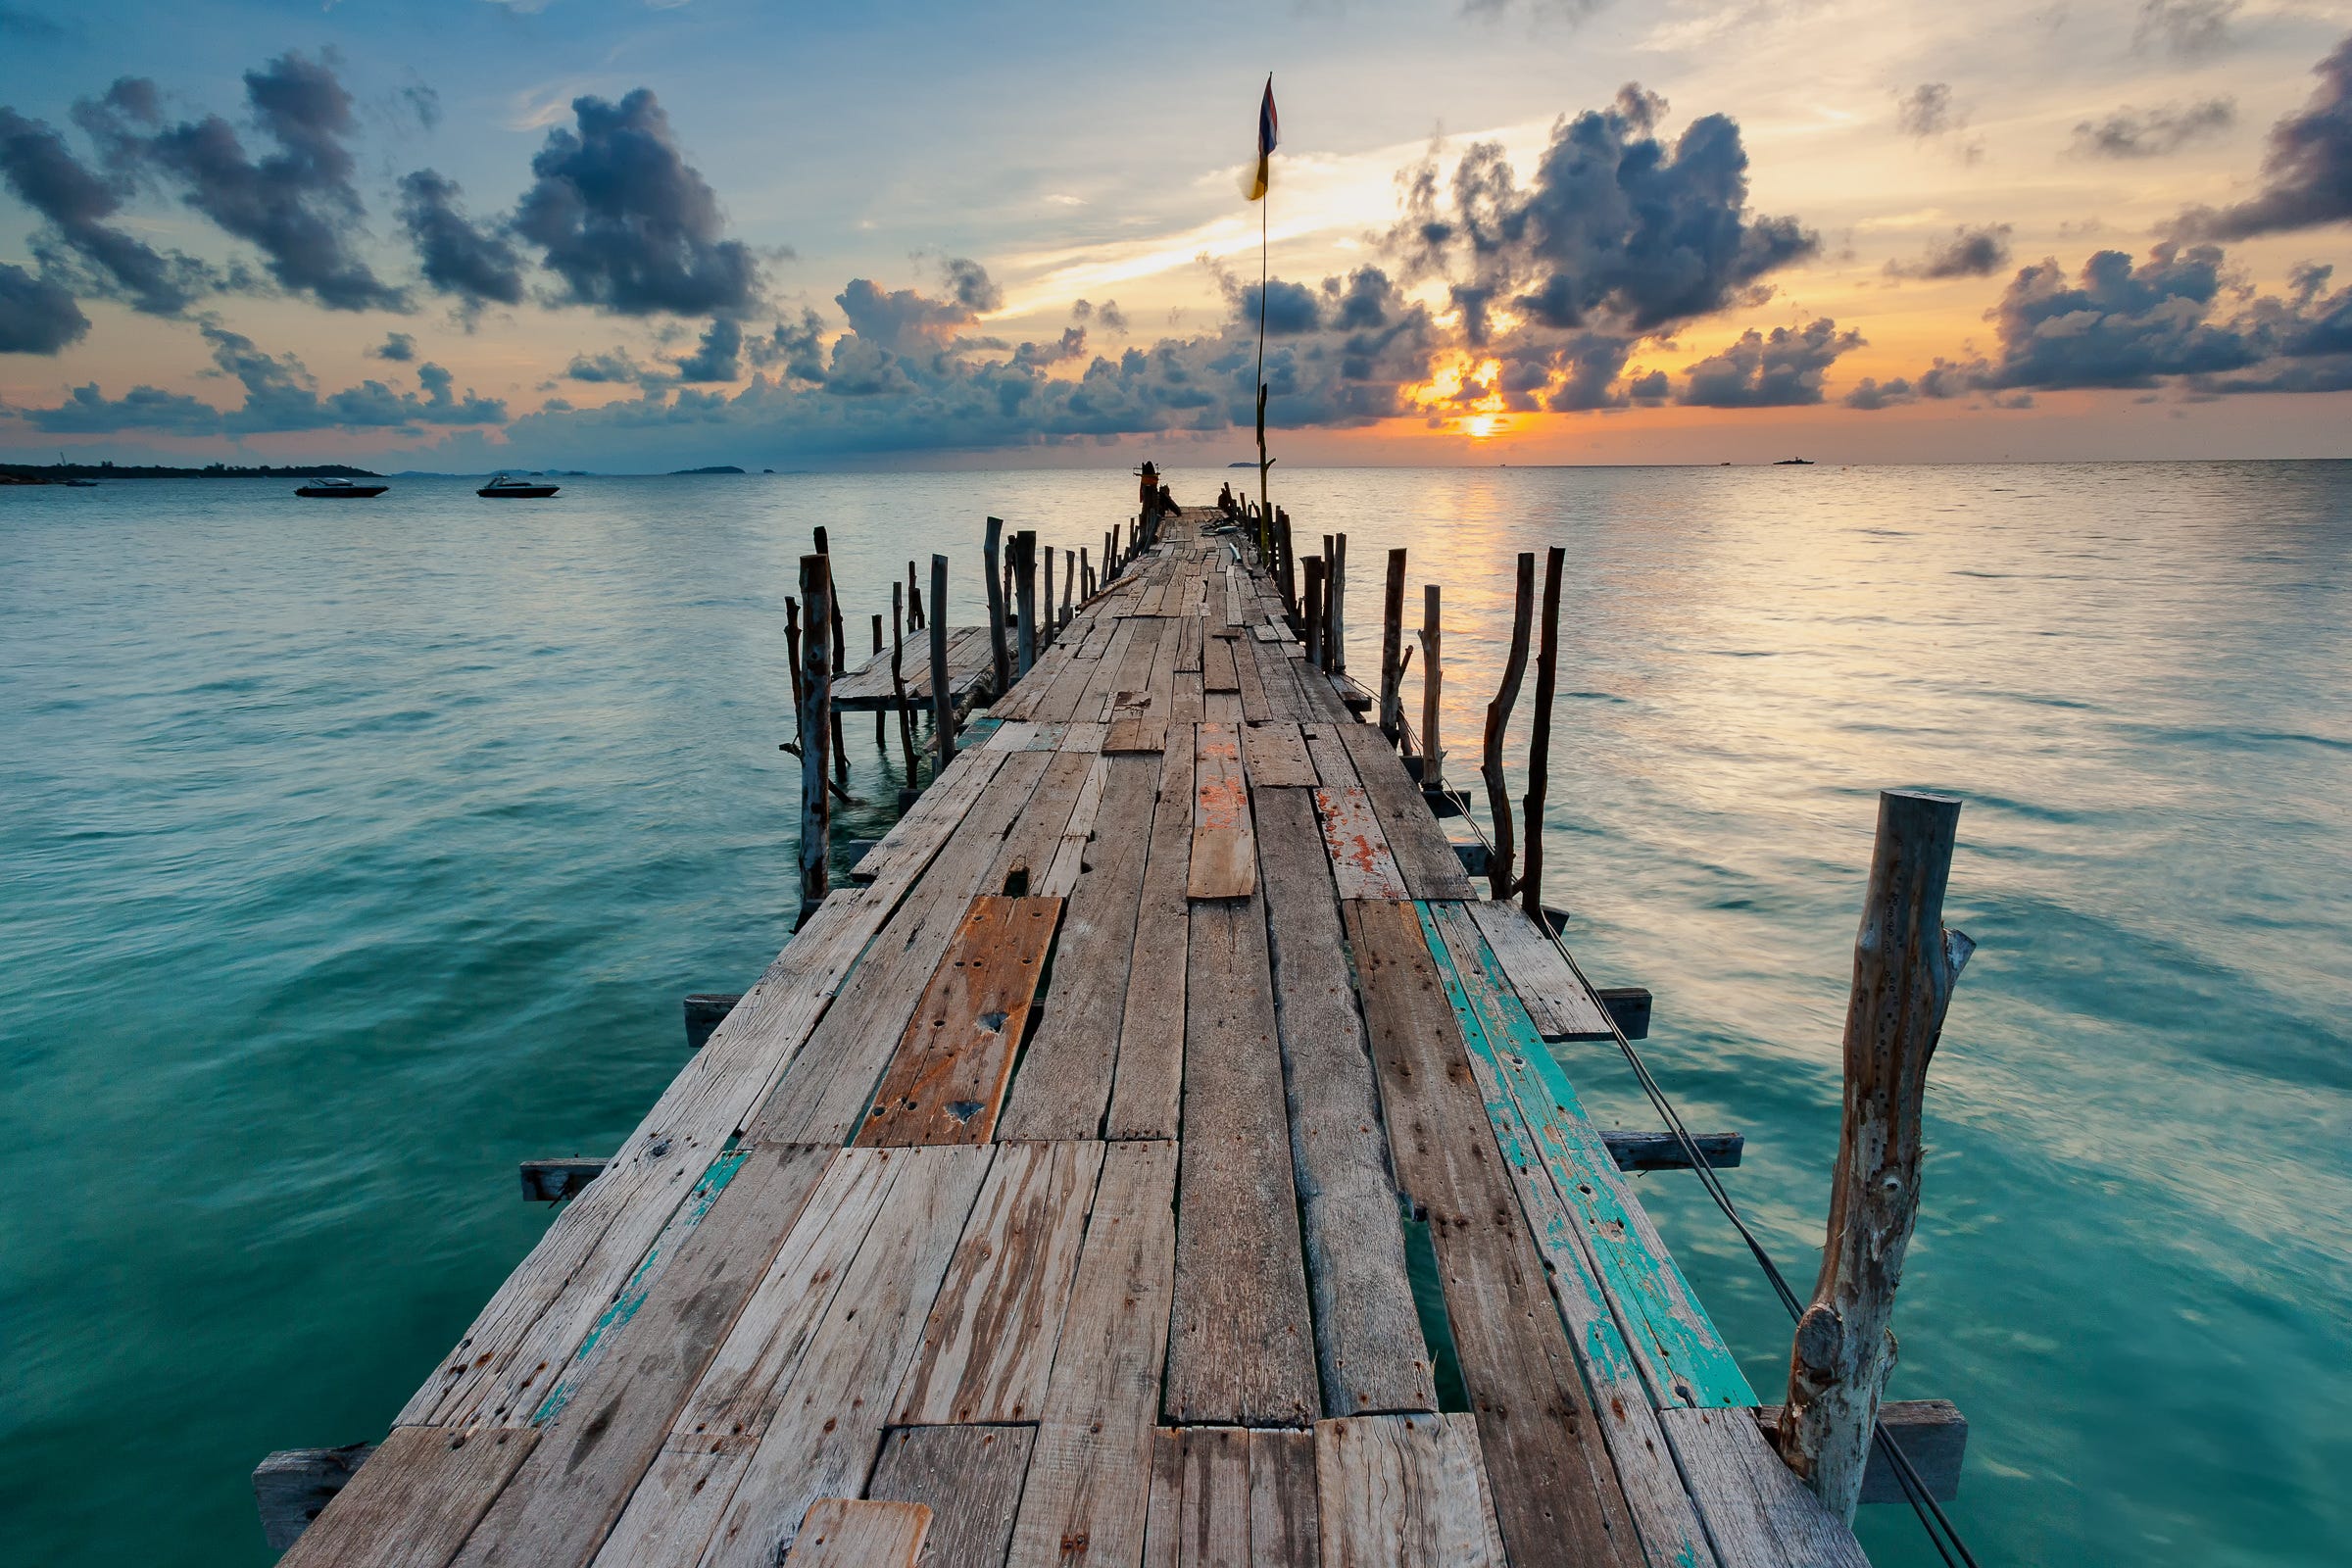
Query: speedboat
506, 487
339, 489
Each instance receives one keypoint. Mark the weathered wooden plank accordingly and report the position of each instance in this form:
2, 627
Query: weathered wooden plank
1188, 705
856, 1533
414, 1500
1556, 1492
1224, 863
1556, 1000
1257, 708
608, 1413
1069, 857
1082, 1502
292, 1486
971, 1477
1284, 1515
1223, 708
1404, 1490
989, 1339
868, 686
1279, 683
1276, 757
1360, 862
1933, 1435
1063, 1086
1758, 1514
1151, 1067
1642, 1151
1431, 868
1217, 673
1682, 1356
1368, 1342
1108, 664
1241, 1347
1188, 644
1200, 1509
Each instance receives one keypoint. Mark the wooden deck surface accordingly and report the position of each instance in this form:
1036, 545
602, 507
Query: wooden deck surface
1049, 1201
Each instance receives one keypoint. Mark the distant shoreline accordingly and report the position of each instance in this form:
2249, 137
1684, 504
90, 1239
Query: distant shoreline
55, 472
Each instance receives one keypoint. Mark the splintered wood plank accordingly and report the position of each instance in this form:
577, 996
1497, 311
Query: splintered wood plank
1069, 858
1407, 1490
1360, 862
854, 1533
1284, 698
1759, 1514
1556, 1492
1188, 644
1224, 846
1083, 1501
414, 1500
1276, 757
1368, 1340
990, 1340
1223, 708
947, 1083
970, 1478
607, 1417
1431, 868
1225, 1496
1096, 703
1255, 705
1555, 999
1217, 673
1063, 1086
1150, 1065
1241, 1347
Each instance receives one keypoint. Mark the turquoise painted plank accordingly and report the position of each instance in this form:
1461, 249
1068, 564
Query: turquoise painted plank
624, 1306
1683, 1357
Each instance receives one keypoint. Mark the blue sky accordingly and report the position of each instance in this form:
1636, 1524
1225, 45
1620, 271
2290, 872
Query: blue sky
1860, 230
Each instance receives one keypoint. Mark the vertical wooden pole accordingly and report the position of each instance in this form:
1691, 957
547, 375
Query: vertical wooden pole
817, 728
1024, 588
1392, 650
1433, 677
1286, 575
1499, 716
942, 701
1047, 625
898, 686
841, 654
1086, 574
1538, 746
882, 720
792, 651
1905, 965
1314, 611
1070, 580
1334, 594
915, 600
1001, 660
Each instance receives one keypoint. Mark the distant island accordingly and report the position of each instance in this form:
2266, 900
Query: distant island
724, 468
59, 473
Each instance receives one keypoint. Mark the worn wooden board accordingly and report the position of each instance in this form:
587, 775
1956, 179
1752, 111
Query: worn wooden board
1404, 1490
1431, 868
1555, 999
970, 1478
1063, 1086
856, 1533
414, 1500
947, 1083
1187, 705
1556, 1492
1241, 1347
1275, 756
1257, 708
1284, 1514
869, 685
1083, 1500
1758, 1514
1217, 673
1229, 1495
608, 1414
989, 1342
1223, 708
1224, 861
1360, 862
1150, 1066
1188, 644
1279, 682
1069, 858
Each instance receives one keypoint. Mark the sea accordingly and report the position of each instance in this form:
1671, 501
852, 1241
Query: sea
351, 853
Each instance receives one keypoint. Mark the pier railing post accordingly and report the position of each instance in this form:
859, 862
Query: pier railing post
1000, 657
1539, 745
1024, 588
881, 725
1905, 965
1335, 607
1314, 616
943, 698
817, 730
1070, 580
1048, 626
1432, 679
841, 654
898, 686
915, 600
1498, 718
1392, 647
1285, 574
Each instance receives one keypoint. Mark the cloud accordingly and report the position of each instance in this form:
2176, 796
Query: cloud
1783, 370
36, 316
719, 359
630, 227
1109, 317
2186, 30
89, 412
1870, 393
1926, 111
2131, 132
613, 366
477, 265
1968, 253
2307, 173
798, 348
75, 201
22, 23
396, 346
972, 287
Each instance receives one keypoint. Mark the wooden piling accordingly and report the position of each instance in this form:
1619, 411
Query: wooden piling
882, 733
1024, 588
1498, 718
1312, 615
1000, 659
915, 600
1391, 645
1539, 745
1335, 605
1905, 965
817, 728
792, 655
841, 656
1286, 577
1433, 751
898, 687
1070, 580
943, 700
1049, 623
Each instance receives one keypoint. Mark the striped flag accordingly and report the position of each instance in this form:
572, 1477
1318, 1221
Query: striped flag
1265, 143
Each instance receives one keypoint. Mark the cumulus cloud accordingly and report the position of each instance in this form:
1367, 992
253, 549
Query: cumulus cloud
719, 358
396, 346
1967, 252
613, 366
627, 222
2307, 171
477, 265
76, 202
1783, 368
2131, 132
1110, 317
36, 316
1871, 393
2186, 30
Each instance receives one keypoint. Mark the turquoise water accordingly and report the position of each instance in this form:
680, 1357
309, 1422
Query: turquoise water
349, 854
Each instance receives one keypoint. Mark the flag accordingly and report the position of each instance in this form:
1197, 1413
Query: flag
1266, 142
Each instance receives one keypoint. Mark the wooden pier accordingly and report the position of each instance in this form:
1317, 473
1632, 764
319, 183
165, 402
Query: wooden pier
1050, 1199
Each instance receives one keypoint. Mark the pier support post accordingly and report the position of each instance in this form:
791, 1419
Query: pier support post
1047, 624
942, 701
915, 600
898, 687
1285, 574
1392, 647
1433, 680
1024, 588
992, 552
816, 729
1539, 745
1498, 718
841, 652
1314, 616
1905, 965
881, 725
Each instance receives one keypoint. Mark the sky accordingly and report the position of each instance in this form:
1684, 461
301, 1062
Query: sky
639, 235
